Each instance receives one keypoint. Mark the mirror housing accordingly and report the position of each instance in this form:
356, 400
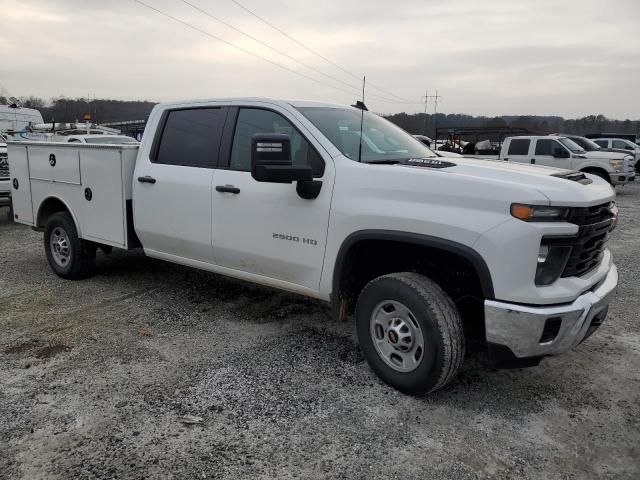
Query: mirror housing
271, 160
560, 152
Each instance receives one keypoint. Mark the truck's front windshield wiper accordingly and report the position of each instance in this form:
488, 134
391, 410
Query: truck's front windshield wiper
384, 162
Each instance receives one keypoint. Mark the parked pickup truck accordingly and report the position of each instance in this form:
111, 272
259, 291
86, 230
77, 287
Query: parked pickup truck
426, 252
560, 152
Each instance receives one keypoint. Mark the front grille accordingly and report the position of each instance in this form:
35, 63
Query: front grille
587, 247
4, 166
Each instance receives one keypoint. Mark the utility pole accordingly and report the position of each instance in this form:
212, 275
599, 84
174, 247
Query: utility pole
435, 98
435, 113
424, 118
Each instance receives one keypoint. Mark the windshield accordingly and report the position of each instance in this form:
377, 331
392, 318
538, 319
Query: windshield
574, 147
109, 139
382, 141
586, 144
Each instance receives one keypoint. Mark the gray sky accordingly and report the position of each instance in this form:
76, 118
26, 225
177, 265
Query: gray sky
568, 58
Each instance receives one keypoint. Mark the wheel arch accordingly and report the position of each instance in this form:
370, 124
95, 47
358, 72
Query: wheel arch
597, 170
414, 240
51, 205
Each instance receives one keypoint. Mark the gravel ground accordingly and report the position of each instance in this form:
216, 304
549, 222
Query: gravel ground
96, 375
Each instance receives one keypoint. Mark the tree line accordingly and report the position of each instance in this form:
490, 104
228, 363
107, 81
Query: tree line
420, 123
63, 109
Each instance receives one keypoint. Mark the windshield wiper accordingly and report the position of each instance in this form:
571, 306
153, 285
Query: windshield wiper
384, 162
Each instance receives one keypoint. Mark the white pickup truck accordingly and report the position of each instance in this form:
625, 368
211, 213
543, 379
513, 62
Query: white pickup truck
560, 152
338, 204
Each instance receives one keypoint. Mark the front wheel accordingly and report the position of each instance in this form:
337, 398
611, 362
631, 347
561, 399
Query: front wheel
410, 332
69, 256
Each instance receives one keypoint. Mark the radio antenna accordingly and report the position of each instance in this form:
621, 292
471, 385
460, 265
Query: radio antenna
362, 109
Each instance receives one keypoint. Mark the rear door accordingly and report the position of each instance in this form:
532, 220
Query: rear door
172, 183
518, 150
267, 228
543, 153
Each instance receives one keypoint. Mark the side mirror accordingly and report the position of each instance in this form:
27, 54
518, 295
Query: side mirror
271, 160
560, 152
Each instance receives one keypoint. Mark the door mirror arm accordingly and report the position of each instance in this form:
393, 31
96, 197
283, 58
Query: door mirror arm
309, 189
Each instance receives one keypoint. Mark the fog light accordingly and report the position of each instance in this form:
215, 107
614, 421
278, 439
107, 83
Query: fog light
543, 253
551, 263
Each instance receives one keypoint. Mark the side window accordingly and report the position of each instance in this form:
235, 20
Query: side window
546, 147
191, 137
602, 143
252, 121
519, 146
620, 144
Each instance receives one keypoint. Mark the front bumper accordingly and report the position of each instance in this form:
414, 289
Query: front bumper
622, 178
538, 331
5, 197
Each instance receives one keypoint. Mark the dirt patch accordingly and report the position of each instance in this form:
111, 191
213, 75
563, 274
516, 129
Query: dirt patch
51, 351
22, 347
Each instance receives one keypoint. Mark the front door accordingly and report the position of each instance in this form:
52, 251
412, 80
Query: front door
266, 228
545, 154
172, 185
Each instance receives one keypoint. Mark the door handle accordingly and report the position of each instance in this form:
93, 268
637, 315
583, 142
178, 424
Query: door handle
533, 160
146, 179
228, 189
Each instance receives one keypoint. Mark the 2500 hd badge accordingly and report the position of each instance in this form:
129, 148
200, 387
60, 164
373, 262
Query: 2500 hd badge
294, 238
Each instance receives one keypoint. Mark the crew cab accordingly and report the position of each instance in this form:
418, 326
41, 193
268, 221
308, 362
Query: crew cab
560, 152
338, 204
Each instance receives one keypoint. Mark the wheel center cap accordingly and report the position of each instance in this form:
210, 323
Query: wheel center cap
393, 337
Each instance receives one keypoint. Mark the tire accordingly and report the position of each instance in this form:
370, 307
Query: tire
73, 258
410, 300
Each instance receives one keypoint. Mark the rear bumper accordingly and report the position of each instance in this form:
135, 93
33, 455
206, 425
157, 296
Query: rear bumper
535, 332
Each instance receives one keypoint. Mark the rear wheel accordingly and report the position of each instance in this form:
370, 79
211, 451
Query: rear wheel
69, 256
410, 332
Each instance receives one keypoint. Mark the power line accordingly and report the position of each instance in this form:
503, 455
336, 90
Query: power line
204, 32
265, 44
266, 22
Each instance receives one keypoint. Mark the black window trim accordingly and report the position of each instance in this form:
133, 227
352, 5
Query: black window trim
224, 162
155, 146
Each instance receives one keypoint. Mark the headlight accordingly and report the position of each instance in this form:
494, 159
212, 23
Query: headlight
614, 212
538, 213
616, 165
551, 263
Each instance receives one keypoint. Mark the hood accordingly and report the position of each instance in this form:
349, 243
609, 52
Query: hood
557, 185
609, 154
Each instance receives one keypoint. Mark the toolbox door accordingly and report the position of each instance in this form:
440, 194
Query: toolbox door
20, 184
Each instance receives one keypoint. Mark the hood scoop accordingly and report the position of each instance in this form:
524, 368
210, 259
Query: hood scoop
427, 163
574, 177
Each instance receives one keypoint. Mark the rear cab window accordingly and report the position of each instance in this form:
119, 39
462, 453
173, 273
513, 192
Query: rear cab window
519, 146
190, 137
